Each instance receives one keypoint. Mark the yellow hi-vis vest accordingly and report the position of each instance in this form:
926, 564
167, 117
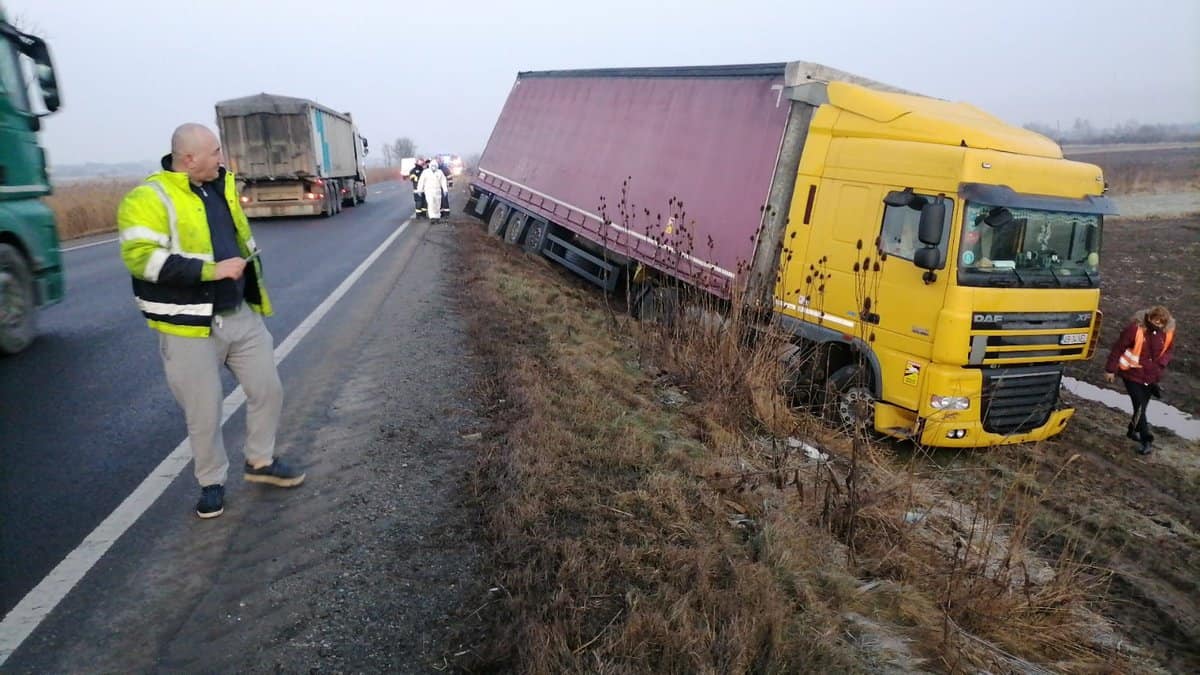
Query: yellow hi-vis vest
167, 248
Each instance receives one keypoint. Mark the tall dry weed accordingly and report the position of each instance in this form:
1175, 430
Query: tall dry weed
87, 207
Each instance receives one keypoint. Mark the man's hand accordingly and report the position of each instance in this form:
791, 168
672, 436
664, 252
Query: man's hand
230, 268
1110, 377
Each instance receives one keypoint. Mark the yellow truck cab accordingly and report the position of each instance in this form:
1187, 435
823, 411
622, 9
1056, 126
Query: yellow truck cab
957, 255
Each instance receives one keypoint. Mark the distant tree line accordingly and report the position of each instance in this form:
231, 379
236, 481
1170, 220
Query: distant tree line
1082, 132
401, 148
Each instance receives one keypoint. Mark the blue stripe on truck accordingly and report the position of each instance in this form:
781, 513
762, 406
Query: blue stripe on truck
319, 117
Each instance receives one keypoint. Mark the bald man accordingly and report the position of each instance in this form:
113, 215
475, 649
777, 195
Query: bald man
198, 281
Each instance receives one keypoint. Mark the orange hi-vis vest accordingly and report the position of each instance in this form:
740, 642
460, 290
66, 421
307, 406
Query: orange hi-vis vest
1132, 356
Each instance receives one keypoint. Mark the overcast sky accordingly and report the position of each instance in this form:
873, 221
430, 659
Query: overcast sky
131, 70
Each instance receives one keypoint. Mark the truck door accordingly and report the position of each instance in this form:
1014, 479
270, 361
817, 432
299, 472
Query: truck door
906, 302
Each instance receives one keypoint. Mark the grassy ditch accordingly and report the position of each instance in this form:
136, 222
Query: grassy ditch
655, 504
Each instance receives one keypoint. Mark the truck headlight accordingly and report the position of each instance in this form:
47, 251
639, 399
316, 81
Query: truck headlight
949, 402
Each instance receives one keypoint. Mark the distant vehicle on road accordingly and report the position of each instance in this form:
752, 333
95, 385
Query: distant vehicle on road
292, 157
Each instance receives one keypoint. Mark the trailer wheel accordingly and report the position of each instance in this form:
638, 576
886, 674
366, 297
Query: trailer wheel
496, 221
851, 399
657, 304
535, 236
18, 317
515, 232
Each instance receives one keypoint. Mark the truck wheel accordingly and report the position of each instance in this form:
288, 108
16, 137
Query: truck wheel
515, 232
496, 221
851, 400
18, 318
658, 305
535, 236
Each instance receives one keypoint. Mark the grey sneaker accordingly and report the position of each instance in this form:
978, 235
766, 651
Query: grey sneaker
212, 501
276, 473
1145, 448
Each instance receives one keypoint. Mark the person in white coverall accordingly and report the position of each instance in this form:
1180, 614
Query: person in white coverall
432, 184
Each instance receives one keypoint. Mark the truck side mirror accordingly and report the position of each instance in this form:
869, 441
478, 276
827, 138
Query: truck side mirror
929, 258
933, 218
366, 147
898, 198
37, 50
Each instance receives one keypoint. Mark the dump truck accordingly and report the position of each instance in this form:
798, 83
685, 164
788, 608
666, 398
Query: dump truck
934, 267
31, 271
291, 156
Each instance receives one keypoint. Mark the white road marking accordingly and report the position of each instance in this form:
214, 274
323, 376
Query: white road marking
95, 243
39, 602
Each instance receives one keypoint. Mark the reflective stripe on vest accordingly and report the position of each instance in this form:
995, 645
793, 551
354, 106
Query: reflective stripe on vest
172, 309
1132, 357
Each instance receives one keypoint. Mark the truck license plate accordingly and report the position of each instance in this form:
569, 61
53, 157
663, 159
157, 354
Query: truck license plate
1073, 339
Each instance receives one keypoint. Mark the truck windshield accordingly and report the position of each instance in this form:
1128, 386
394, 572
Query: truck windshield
1030, 248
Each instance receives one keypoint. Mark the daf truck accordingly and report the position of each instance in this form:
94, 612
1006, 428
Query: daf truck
291, 156
941, 265
31, 273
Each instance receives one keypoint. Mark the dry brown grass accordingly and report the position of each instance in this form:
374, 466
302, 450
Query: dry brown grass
648, 515
614, 552
1150, 170
87, 207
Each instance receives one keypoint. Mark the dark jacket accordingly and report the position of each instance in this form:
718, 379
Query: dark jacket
1153, 360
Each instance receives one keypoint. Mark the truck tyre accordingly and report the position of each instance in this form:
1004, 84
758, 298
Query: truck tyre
535, 236
515, 232
18, 313
850, 399
658, 305
496, 221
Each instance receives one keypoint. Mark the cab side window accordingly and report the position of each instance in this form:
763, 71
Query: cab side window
898, 236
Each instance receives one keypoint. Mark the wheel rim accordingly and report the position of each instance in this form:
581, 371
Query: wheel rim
496, 221
856, 407
513, 234
533, 238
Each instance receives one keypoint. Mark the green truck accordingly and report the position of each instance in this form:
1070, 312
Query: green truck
31, 274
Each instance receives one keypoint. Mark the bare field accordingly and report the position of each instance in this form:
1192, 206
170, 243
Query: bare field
1154, 169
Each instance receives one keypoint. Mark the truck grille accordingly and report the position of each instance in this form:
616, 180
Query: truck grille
999, 338
1016, 400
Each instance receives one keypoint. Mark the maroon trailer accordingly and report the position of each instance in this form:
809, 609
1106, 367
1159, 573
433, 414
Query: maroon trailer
691, 144
672, 168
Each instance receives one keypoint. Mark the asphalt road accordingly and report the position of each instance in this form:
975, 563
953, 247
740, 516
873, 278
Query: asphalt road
85, 413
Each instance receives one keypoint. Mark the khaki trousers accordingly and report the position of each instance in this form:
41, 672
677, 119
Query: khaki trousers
193, 366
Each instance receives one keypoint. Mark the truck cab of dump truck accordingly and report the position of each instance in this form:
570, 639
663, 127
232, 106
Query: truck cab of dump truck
954, 259
30, 261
